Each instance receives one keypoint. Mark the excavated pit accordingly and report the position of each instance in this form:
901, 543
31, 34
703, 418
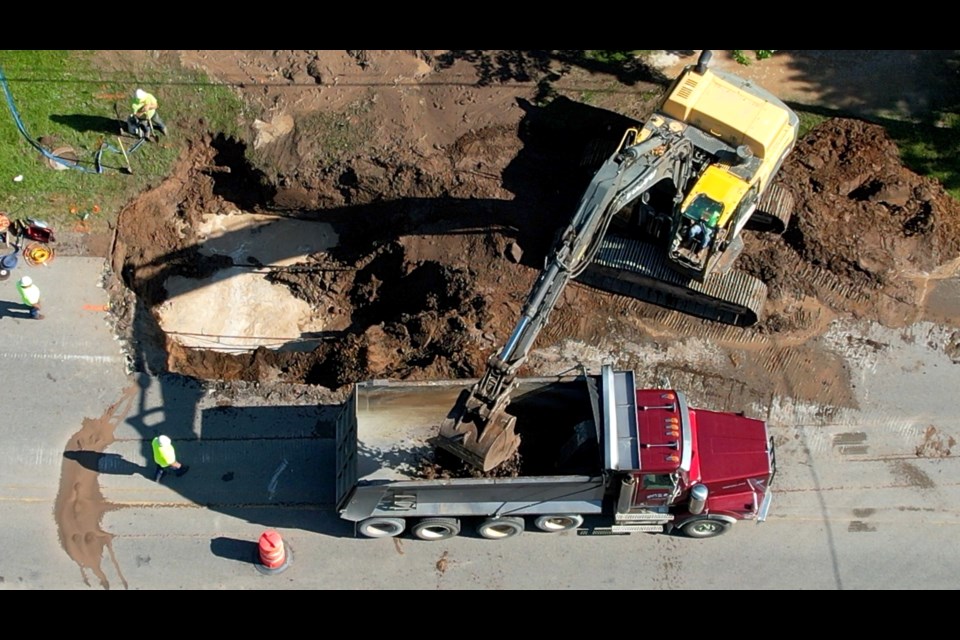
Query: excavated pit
422, 284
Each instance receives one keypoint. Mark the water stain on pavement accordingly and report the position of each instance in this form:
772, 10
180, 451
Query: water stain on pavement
80, 505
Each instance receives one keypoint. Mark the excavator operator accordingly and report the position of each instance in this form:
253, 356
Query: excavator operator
706, 212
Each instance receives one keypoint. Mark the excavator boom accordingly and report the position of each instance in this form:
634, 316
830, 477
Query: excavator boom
479, 430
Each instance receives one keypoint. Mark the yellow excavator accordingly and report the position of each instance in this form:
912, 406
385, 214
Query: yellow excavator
661, 221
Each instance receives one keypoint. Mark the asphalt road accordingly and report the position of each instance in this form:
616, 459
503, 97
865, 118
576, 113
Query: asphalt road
864, 499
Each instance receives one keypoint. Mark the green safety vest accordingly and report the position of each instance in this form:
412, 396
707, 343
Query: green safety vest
163, 455
30, 295
148, 104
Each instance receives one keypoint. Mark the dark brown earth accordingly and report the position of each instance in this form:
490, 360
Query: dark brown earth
449, 195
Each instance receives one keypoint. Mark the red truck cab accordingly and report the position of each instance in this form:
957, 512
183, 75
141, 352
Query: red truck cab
705, 468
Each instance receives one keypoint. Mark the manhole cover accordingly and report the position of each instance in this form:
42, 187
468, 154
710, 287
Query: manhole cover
67, 158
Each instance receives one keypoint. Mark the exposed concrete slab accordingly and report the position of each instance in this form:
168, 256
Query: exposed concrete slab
270, 240
238, 309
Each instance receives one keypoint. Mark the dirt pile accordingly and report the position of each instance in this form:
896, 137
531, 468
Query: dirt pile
866, 232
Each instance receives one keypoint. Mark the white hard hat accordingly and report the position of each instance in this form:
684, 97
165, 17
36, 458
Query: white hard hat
140, 93
164, 440
26, 281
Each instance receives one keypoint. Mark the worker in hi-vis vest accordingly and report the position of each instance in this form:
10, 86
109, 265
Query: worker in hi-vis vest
30, 294
166, 457
145, 114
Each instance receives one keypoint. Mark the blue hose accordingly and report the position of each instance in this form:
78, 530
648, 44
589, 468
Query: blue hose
66, 162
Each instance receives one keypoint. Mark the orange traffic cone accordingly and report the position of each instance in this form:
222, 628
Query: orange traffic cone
274, 557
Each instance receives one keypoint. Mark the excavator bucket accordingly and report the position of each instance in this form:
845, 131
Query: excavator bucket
483, 443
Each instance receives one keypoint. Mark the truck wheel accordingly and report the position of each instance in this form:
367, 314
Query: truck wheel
500, 528
382, 527
436, 528
555, 523
704, 527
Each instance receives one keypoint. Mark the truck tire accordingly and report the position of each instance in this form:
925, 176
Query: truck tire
500, 528
556, 522
379, 527
436, 528
704, 527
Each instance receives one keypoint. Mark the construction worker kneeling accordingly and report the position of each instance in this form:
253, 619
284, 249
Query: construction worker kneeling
145, 120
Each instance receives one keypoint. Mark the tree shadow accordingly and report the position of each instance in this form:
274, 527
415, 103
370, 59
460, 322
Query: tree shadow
546, 66
89, 123
916, 83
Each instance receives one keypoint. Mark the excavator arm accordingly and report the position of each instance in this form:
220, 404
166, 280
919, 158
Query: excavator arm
478, 429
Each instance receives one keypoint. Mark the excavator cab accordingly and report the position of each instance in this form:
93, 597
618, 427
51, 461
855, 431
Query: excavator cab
696, 231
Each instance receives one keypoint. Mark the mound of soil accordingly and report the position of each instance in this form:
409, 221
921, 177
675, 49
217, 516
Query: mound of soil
866, 231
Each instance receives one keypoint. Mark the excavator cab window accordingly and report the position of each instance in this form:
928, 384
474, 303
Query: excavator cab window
703, 208
701, 218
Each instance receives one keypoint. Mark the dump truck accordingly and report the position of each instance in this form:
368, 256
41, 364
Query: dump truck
598, 456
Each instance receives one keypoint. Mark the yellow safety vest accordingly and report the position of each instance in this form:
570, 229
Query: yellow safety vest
30, 295
163, 455
148, 104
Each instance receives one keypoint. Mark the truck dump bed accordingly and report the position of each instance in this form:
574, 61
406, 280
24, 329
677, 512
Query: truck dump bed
384, 450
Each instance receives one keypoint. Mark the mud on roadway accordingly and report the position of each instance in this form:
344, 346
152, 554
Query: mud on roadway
438, 244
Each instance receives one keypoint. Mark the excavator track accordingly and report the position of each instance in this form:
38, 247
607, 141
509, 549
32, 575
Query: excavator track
773, 211
640, 270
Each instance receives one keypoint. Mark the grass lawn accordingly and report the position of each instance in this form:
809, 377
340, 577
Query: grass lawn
62, 99
931, 149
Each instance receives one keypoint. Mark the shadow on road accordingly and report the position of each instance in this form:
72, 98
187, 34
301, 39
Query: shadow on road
14, 310
232, 549
111, 463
